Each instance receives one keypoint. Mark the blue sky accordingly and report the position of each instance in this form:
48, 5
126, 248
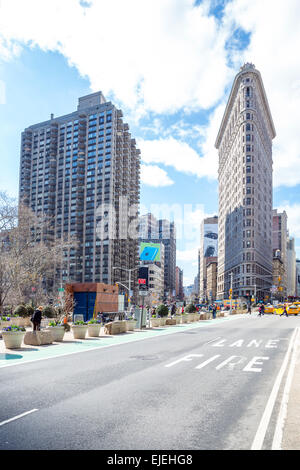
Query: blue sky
169, 66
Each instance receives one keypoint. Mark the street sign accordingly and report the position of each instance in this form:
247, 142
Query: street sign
143, 293
142, 281
61, 290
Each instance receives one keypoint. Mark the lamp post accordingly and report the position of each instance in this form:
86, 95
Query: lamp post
129, 279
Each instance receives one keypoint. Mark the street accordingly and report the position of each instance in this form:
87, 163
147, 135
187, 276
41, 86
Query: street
204, 388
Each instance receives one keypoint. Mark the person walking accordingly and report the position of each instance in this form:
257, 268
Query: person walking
249, 308
173, 310
284, 312
37, 318
261, 310
214, 311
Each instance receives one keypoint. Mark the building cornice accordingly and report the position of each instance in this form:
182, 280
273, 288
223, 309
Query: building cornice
235, 87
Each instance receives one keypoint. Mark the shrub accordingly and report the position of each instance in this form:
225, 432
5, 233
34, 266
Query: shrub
190, 308
49, 312
30, 310
21, 311
162, 310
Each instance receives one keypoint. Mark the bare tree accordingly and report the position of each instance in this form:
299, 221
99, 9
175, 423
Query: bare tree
8, 212
29, 257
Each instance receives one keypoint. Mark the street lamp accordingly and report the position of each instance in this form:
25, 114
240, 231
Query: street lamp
129, 280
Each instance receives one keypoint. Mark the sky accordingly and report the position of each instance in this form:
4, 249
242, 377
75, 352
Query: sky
169, 65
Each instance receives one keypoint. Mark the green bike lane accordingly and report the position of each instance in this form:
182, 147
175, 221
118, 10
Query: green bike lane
27, 354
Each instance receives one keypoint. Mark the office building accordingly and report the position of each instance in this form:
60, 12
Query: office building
179, 284
163, 231
208, 252
211, 280
244, 144
83, 170
279, 245
291, 267
298, 278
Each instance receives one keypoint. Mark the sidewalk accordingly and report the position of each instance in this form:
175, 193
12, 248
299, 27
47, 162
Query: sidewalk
291, 433
27, 353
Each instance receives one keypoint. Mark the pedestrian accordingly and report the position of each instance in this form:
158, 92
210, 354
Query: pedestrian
284, 312
249, 308
37, 318
173, 310
260, 310
214, 311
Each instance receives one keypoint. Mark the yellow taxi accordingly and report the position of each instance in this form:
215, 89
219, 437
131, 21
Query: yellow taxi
279, 309
293, 309
269, 308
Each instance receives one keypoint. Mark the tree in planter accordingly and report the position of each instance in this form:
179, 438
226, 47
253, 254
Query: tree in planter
49, 312
190, 308
21, 311
162, 310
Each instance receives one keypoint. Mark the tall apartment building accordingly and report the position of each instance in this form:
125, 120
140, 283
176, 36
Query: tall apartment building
244, 143
208, 252
291, 267
279, 245
162, 231
83, 170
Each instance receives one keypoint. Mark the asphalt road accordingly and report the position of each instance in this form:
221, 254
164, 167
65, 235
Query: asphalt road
205, 388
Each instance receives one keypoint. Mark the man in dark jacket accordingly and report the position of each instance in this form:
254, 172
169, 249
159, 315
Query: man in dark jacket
37, 318
214, 311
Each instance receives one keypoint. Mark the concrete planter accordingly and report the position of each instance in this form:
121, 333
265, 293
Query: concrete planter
38, 338
57, 332
79, 331
21, 321
190, 317
115, 327
178, 319
131, 325
163, 321
170, 321
154, 322
184, 318
13, 339
94, 329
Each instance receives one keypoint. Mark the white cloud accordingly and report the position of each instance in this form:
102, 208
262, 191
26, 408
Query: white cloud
152, 175
274, 49
170, 55
179, 155
160, 56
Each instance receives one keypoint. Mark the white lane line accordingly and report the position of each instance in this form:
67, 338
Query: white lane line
264, 423
277, 440
212, 341
18, 417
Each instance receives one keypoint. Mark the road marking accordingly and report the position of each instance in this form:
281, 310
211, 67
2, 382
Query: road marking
18, 417
255, 361
264, 423
184, 359
231, 363
207, 362
277, 439
212, 341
